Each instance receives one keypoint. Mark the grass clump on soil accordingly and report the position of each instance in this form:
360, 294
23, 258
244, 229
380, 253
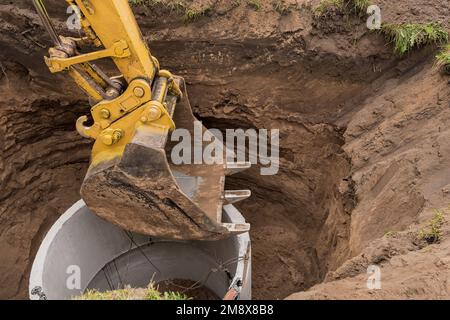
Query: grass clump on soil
190, 13
443, 59
358, 5
391, 234
407, 36
255, 4
326, 7
432, 233
151, 293
178, 5
282, 7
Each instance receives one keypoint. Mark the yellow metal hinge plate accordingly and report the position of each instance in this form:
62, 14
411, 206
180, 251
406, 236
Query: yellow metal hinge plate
120, 49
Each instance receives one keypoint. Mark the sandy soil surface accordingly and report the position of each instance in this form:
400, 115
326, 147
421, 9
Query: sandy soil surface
364, 152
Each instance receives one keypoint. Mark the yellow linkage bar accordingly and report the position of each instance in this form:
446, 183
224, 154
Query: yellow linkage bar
112, 21
118, 50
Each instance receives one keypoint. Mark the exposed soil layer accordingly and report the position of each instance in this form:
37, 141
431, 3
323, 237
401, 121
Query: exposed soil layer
363, 141
42, 164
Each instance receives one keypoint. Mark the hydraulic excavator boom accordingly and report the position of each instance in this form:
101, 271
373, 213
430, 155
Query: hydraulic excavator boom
131, 180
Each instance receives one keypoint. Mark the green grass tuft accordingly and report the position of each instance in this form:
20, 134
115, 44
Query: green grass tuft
443, 59
193, 14
282, 7
360, 5
391, 234
178, 5
151, 293
190, 12
326, 7
432, 233
255, 4
408, 36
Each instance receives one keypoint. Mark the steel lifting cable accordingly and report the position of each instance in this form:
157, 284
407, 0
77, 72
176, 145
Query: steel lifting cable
48, 25
121, 284
221, 266
201, 283
107, 278
130, 236
43, 15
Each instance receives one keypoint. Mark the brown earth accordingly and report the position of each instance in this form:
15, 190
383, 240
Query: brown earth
363, 141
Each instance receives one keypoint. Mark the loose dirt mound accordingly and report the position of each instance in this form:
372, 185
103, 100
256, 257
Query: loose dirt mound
363, 140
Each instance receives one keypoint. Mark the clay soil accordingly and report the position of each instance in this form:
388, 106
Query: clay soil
364, 145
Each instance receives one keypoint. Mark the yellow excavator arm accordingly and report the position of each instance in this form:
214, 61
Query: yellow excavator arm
131, 181
123, 103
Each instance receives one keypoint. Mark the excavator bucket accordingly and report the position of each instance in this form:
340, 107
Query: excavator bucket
144, 192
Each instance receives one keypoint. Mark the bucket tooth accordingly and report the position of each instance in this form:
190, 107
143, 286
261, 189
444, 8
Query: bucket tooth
233, 196
237, 228
236, 167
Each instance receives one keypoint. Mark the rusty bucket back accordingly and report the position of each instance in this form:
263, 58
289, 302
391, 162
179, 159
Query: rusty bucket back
145, 192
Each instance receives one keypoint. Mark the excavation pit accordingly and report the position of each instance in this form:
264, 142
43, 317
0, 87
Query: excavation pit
362, 150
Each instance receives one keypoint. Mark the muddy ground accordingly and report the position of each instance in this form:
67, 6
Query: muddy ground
365, 156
